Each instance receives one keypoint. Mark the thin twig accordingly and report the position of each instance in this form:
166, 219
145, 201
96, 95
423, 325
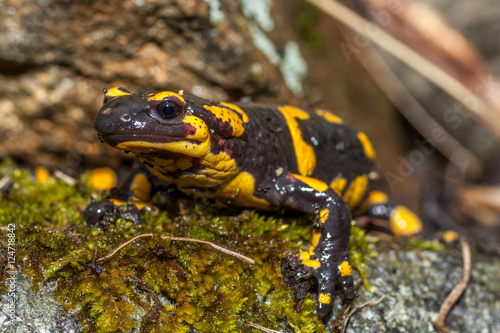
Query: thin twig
123, 245
263, 329
455, 294
4, 181
411, 58
183, 239
65, 178
337, 326
359, 307
217, 247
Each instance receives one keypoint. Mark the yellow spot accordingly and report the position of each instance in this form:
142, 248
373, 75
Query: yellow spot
367, 146
377, 198
316, 184
324, 298
328, 116
42, 175
338, 184
304, 152
323, 215
228, 115
202, 132
304, 255
314, 263
404, 222
139, 205
117, 202
236, 108
165, 94
115, 92
141, 187
315, 238
241, 190
102, 179
345, 269
356, 191
450, 236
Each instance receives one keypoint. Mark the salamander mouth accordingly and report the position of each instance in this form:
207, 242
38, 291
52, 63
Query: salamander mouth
116, 139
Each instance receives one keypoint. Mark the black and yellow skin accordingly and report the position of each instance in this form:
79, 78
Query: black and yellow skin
254, 155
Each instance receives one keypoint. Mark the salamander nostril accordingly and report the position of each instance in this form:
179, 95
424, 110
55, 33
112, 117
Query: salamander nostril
125, 118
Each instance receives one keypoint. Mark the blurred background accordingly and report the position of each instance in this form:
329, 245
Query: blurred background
435, 127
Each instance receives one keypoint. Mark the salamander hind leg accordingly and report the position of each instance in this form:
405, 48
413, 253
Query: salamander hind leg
402, 221
327, 257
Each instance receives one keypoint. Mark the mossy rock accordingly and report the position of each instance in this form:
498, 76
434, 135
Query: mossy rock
157, 285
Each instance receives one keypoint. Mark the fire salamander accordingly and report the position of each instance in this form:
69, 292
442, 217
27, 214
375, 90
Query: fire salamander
259, 156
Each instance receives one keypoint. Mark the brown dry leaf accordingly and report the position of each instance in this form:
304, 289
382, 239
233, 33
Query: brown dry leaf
481, 202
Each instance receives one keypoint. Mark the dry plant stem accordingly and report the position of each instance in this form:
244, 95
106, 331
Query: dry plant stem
65, 178
217, 247
415, 113
457, 291
263, 329
4, 181
364, 305
337, 327
405, 54
183, 239
123, 245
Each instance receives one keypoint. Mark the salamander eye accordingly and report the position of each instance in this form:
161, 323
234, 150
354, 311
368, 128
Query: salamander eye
168, 109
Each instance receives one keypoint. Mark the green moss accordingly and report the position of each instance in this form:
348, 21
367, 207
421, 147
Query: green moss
159, 284
361, 249
422, 244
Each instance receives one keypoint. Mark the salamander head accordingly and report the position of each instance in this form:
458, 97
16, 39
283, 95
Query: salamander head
171, 132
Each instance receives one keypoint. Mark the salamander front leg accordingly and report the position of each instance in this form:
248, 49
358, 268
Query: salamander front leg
327, 258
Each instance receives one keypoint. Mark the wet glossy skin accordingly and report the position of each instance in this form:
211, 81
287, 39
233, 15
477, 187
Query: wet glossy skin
254, 155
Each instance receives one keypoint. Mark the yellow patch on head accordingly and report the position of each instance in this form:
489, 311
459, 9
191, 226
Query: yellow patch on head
241, 190
377, 198
324, 298
314, 263
304, 152
338, 184
228, 115
404, 222
356, 191
102, 179
367, 146
115, 92
345, 269
239, 110
141, 187
202, 132
164, 94
328, 116
316, 184
42, 175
